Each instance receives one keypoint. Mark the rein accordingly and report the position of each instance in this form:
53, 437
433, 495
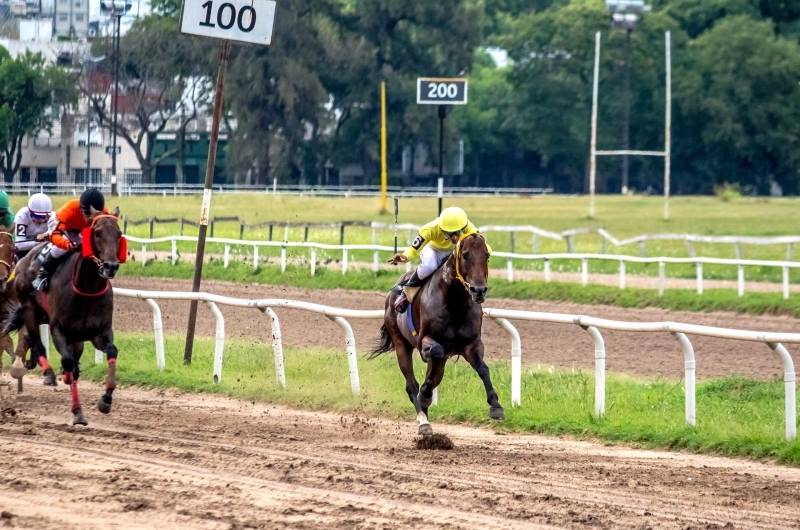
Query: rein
460, 278
92, 256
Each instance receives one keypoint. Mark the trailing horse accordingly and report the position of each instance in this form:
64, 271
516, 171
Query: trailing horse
443, 321
8, 298
79, 306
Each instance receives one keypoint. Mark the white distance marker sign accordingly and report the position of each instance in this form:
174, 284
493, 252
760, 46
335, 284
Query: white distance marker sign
248, 21
441, 91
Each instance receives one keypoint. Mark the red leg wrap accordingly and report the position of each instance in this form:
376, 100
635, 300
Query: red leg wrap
111, 380
67, 378
73, 390
43, 363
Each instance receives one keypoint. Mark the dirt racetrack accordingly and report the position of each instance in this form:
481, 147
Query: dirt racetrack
166, 460
648, 354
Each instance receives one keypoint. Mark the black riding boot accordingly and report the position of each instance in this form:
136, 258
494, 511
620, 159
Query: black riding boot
48, 266
401, 304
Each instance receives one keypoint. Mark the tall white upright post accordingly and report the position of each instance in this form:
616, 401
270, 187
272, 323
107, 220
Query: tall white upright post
667, 125
593, 156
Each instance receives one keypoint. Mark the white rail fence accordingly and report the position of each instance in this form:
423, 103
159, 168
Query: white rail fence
502, 316
510, 257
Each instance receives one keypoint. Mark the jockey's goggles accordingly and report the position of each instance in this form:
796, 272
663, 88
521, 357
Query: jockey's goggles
38, 216
451, 234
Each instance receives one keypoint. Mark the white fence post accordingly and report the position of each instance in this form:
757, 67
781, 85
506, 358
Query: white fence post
785, 283
547, 270
621, 274
44, 331
408, 266
789, 389
699, 266
740, 281
255, 258
510, 268
283, 260
344, 261
98, 356
599, 370
584, 272
661, 278
144, 254
158, 331
219, 344
277, 346
227, 255
516, 361
375, 263
174, 251
689, 377
352, 359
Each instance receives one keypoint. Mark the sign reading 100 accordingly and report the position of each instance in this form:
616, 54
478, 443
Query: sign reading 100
436, 91
235, 20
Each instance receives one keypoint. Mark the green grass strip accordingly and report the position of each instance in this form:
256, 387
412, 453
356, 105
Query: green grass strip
754, 303
735, 416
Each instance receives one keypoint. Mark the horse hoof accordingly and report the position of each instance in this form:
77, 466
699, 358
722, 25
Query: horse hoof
102, 406
497, 413
425, 430
78, 418
18, 370
49, 378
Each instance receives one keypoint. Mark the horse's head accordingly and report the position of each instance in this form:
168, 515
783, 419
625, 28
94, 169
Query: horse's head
6, 258
472, 266
104, 246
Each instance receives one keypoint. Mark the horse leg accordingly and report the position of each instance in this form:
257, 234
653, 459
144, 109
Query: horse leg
6, 344
18, 365
70, 367
432, 379
105, 343
474, 356
405, 359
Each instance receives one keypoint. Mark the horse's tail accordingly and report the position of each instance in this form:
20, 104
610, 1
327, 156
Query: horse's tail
14, 321
384, 345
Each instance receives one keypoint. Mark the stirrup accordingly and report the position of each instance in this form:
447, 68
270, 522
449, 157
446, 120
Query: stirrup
41, 283
401, 304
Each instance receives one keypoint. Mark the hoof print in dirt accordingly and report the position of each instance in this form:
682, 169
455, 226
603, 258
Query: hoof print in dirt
434, 442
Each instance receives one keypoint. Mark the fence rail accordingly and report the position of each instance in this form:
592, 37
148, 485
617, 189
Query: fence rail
502, 316
566, 236
622, 259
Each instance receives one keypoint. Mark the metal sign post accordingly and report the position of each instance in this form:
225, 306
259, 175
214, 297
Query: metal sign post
234, 20
442, 92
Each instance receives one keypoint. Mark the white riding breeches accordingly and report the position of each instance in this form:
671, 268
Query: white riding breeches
431, 258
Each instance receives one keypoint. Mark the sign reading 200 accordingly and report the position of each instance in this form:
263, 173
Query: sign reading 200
435, 91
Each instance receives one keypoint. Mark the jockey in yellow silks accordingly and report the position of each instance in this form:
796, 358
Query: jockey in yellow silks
434, 244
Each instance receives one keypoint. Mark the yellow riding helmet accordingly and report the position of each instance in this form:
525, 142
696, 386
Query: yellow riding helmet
453, 219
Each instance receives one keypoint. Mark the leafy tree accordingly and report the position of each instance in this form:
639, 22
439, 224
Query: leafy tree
739, 106
28, 90
162, 79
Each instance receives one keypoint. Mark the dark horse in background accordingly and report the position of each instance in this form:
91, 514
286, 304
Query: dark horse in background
8, 299
447, 314
78, 306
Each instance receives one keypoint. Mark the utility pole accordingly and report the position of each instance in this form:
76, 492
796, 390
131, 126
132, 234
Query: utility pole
626, 102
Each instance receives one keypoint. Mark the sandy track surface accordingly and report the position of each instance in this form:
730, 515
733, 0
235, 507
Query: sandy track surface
649, 354
167, 460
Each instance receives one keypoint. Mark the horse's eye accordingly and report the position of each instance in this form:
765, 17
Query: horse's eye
466, 255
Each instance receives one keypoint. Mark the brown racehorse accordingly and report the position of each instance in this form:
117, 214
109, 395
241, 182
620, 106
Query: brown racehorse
447, 315
6, 295
80, 305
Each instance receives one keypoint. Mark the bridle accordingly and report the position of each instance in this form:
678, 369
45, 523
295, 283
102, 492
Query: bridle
94, 258
460, 278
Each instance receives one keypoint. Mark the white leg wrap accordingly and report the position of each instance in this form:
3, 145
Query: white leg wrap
422, 419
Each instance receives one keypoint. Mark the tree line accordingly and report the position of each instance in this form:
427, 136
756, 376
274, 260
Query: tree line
313, 98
